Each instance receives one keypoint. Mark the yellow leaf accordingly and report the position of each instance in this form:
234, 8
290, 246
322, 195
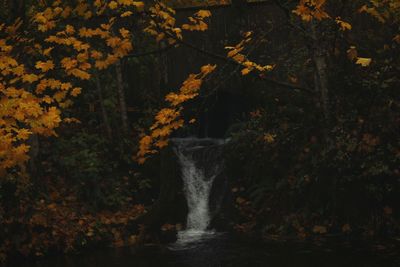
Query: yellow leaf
76, 91
124, 32
81, 8
239, 58
66, 12
59, 96
365, 62
30, 78
69, 63
85, 66
97, 3
96, 54
66, 104
160, 37
343, 24
45, 66
113, 5
293, 79
373, 12
23, 134
245, 71
202, 26
101, 64
139, 5
54, 84
248, 34
80, 74
47, 99
311, 9
234, 52
126, 14
19, 115
203, 13
161, 143
318, 229
69, 29
19, 71
208, 69
47, 51
88, 14
113, 41
71, 120
269, 138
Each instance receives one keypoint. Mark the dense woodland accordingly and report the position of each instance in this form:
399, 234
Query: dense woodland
91, 91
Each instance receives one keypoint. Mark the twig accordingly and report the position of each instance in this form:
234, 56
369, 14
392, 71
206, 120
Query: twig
154, 52
221, 6
232, 62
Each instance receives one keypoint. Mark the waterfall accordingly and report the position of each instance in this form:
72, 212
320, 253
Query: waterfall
200, 165
197, 190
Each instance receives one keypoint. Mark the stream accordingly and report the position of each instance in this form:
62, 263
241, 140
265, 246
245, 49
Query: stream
199, 245
220, 251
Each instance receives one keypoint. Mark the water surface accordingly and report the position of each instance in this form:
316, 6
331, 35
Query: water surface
200, 246
222, 250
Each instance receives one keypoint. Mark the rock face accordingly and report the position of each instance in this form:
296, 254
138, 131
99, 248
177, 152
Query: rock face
170, 207
221, 203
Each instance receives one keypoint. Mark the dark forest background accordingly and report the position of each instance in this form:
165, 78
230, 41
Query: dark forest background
314, 143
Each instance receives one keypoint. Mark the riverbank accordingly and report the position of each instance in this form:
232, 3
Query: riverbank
120, 246
65, 225
223, 250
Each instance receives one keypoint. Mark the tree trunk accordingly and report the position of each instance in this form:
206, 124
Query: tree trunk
17, 10
163, 70
121, 96
104, 114
171, 204
33, 142
321, 80
321, 71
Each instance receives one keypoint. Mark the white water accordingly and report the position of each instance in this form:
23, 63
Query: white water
197, 191
197, 187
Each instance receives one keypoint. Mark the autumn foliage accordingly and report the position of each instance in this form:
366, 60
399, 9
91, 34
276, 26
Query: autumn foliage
48, 62
169, 119
61, 223
35, 93
305, 91
62, 53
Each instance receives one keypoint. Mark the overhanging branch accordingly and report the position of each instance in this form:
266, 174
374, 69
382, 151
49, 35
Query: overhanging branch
149, 53
233, 62
222, 6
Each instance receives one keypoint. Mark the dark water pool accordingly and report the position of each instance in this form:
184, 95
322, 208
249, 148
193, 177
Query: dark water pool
220, 251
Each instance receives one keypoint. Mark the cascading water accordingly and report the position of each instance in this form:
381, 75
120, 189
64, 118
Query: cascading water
199, 169
197, 190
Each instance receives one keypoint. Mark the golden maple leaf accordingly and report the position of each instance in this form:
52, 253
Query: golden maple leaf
45, 66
